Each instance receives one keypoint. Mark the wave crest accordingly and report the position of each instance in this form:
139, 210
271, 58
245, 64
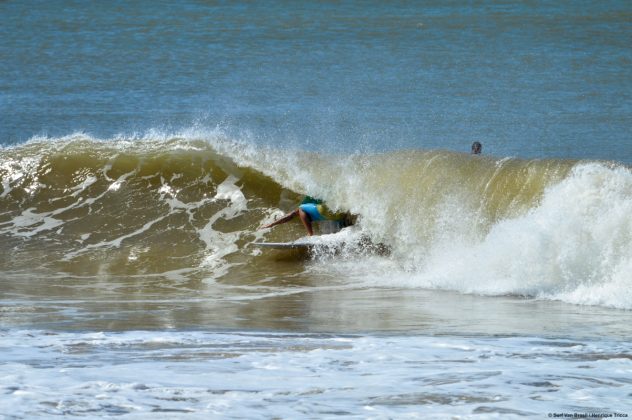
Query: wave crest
189, 203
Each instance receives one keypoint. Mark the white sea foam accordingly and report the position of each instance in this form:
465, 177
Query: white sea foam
249, 375
219, 244
574, 246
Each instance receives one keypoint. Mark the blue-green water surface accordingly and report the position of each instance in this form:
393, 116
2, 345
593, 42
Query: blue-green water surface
528, 79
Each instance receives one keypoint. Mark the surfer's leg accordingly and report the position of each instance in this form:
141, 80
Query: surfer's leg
307, 222
283, 219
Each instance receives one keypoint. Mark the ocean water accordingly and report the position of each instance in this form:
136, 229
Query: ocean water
144, 144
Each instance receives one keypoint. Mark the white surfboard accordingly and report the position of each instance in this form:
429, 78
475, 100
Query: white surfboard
298, 244
327, 243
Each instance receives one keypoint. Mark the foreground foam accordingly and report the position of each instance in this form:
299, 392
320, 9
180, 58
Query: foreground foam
250, 375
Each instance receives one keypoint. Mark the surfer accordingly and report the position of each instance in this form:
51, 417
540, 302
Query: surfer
477, 148
312, 210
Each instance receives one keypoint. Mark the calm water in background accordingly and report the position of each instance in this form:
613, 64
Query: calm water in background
130, 285
536, 79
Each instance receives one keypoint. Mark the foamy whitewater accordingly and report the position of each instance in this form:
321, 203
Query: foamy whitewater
144, 144
246, 375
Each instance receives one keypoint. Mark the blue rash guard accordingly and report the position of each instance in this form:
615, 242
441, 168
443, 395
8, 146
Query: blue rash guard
318, 212
313, 211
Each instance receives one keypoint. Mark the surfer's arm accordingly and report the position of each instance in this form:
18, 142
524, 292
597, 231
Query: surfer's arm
282, 220
303, 216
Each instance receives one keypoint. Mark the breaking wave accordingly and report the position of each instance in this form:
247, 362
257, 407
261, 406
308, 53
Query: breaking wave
192, 204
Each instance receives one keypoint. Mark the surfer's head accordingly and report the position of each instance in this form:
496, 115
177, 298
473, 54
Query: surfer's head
477, 148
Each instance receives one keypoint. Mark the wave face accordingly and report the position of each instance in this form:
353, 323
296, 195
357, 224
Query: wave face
190, 206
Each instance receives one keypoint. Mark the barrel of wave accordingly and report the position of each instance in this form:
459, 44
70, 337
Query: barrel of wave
412, 199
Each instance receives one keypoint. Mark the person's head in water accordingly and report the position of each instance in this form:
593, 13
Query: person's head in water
477, 148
